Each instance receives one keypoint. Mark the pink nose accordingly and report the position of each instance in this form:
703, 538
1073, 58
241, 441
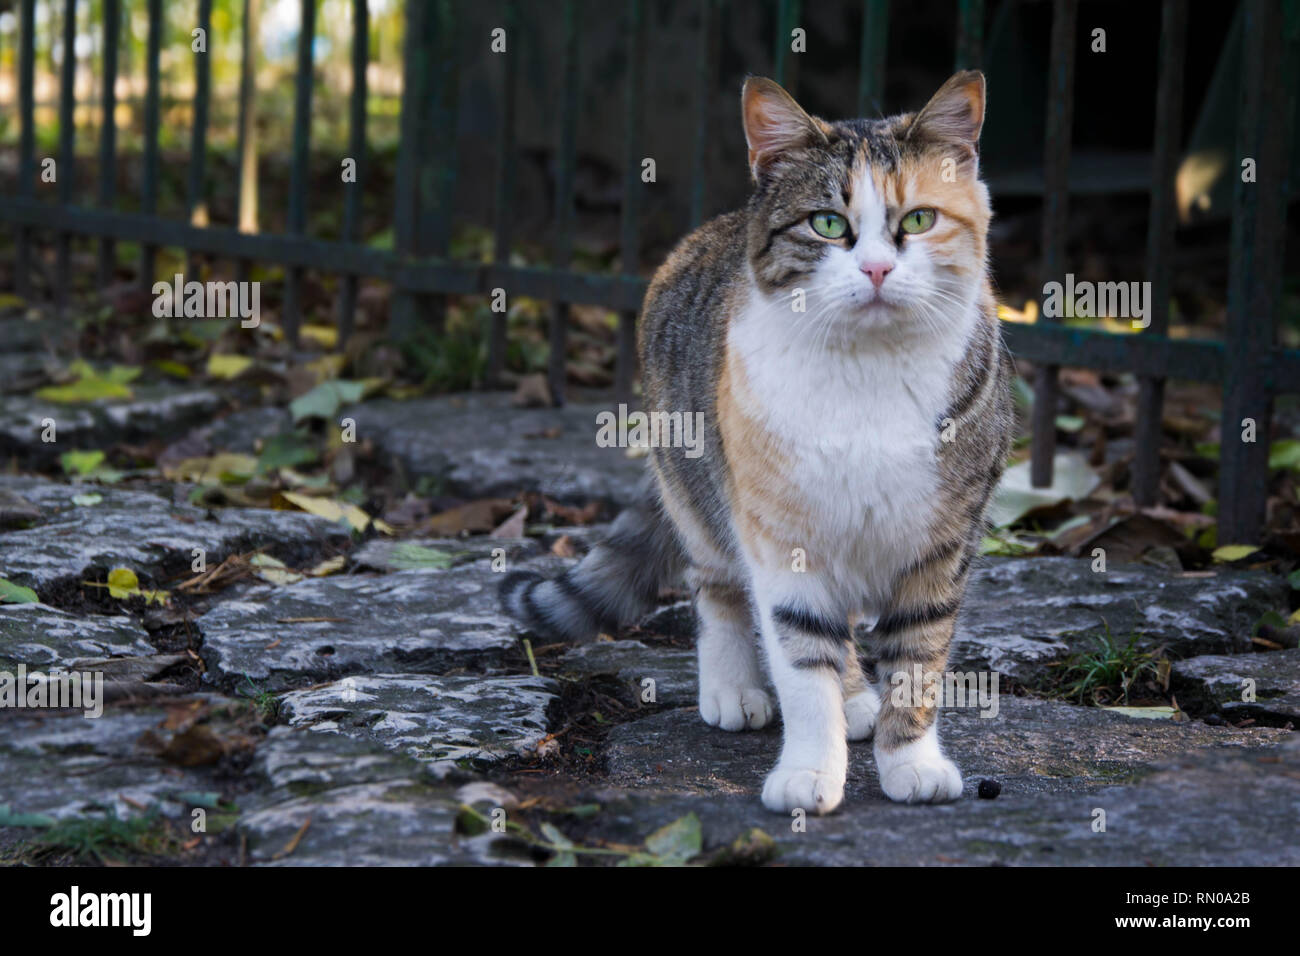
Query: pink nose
877, 271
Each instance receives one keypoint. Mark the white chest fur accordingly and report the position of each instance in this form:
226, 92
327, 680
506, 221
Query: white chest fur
861, 431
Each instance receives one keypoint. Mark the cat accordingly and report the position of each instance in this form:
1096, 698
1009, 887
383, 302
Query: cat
840, 335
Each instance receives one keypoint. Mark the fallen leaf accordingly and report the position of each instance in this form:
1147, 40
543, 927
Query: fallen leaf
228, 367
11, 593
328, 508
1072, 480
1232, 552
512, 527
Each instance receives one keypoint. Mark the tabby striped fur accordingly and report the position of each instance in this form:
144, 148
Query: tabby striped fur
849, 449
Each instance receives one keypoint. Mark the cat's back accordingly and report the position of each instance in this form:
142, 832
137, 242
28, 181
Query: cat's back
687, 304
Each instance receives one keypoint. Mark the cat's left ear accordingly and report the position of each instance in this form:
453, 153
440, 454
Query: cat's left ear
774, 123
954, 115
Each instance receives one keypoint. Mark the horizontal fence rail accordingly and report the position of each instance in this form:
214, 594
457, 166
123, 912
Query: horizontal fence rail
1249, 364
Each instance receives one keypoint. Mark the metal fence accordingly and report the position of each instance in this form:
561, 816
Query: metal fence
1249, 364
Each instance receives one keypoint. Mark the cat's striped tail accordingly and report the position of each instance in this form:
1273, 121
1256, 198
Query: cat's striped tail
616, 583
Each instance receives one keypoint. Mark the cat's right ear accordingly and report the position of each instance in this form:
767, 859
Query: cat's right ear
774, 123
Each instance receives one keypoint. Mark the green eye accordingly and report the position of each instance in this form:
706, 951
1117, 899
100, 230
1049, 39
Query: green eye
918, 220
829, 225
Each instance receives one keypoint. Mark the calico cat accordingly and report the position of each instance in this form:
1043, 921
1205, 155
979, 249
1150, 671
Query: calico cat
840, 336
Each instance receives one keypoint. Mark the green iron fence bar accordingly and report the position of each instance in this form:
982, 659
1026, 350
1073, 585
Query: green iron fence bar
564, 212
300, 168
1161, 223
871, 69
633, 185
27, 143
970, 34
108, 132
706, 57
149, 180
1258, 227
785, 66
67, 165
426, 162
357, 153
195, 190
1056, 167
504, 207
246, 185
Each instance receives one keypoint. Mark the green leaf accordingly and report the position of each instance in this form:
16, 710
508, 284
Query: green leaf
1070, 423
286, 451
1293, 579
81, 463
678, 841
325, 399
8, 818
11, 593
406, 556
1232, 552
90, 385
89, 500
1284, 454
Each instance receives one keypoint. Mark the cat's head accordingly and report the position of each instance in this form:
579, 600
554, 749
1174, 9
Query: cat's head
880, 223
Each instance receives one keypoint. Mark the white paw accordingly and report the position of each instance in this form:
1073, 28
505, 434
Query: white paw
735, 708
936, 781
801, 788
919, 772
860, 712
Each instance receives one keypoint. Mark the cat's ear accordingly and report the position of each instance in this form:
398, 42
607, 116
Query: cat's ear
955, 114
774, 123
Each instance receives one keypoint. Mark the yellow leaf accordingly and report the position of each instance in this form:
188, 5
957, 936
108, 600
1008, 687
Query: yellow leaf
122, 583
329, 509
1233, 552
1295, 617
273, 570
228, 366
327, 367
383, 527
326, 336
328, 566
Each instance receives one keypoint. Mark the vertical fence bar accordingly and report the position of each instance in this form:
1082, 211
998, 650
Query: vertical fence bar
502, 232
196, 211
563, 248
1056, 189
108, 134
704, 62
67, 172
300, 169
786, 66
357, 151
1161, 223
246, 189
23, 260
426, 159
630, 241
871, 70
149, 178
1258, 226
970, 34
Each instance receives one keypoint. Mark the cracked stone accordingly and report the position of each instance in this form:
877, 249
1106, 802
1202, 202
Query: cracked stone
325, 628
446, 719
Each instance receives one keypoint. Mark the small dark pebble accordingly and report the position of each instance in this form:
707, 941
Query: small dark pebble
1214, 720
989, 789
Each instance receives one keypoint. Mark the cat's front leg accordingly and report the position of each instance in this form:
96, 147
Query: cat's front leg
911, 641
732, 695
808, 644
